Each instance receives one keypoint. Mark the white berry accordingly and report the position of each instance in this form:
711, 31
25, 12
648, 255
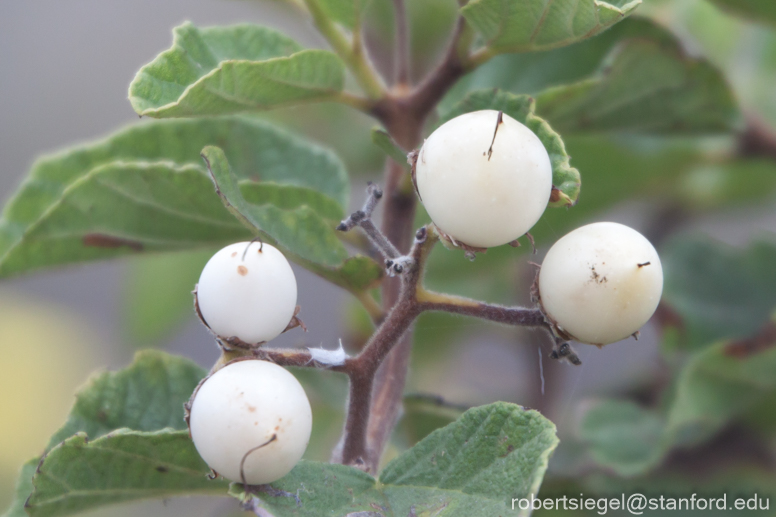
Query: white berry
239, 409
247, 291
601, 282
480, 195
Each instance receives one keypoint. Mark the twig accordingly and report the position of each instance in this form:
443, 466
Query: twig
363, 218
402, 50
520, 316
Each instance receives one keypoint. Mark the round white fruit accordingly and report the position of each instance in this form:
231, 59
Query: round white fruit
480, 190
248, 291
601, 282
236, 413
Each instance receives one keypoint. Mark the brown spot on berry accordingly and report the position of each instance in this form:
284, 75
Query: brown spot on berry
242, 270
234, 254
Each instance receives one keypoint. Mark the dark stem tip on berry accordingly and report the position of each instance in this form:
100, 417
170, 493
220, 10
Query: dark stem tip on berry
242, 463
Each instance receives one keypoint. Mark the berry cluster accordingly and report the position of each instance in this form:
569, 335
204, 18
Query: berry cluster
485, 180
250, 420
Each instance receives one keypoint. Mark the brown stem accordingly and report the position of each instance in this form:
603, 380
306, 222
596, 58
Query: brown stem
507, 315
404, 118
402, 52
381, 361
428, 94
356, 449
398, 216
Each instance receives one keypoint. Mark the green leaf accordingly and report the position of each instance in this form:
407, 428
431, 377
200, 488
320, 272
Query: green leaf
222, 70
719, 292
300, 233
148, 395
494, 452
565, 178
536, 25
158, 155
391, 149
23, 489
322, 488
720, 384
536, 71
754, 10
623, 437
289, 197
645, 87
157, 294
79, 474
470, 468
346, 12
125, 207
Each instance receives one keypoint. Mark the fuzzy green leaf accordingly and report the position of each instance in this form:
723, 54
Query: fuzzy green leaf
719, 292
565, 178
536, 25
126, 207
534, 72
494, 452
754, 10
289, 197
644, 86
151, 189
146, 396
470, 468
224, 70
80, 474
300, 233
